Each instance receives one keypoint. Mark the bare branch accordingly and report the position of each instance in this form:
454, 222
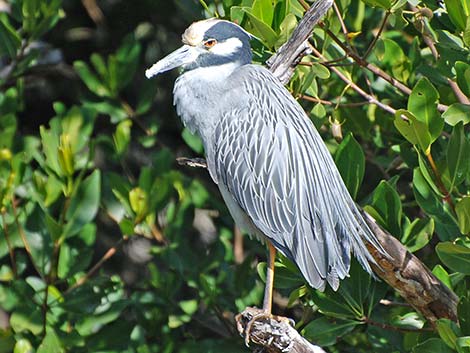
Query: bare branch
274, 333
283, 62
411, 278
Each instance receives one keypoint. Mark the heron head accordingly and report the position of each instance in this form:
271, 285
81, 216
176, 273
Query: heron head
207, 43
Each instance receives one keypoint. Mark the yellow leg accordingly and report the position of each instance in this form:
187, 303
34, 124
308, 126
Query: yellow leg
268, 294
268, 290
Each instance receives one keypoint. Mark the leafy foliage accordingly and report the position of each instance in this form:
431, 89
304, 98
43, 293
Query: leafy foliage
107, 245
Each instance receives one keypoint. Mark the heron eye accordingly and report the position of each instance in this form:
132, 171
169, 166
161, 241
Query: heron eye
210, 43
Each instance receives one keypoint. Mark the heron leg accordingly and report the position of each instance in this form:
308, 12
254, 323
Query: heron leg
268, 289
268, 294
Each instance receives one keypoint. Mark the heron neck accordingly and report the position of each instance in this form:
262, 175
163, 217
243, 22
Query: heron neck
211, 74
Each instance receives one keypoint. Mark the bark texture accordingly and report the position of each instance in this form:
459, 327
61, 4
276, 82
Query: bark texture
411, 278
273, 334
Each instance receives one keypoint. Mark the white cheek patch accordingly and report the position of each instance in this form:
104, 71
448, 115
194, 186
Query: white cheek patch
227, 47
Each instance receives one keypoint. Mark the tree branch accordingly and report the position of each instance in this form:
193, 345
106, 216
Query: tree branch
274, 334
410, 277
284, 61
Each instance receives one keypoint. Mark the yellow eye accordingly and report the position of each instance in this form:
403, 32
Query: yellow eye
210, 43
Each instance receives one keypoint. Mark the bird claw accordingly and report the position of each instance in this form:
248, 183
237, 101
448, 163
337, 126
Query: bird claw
249, 325
246, 320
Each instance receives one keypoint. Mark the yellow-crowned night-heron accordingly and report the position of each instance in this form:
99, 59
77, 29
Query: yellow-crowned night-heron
272, 168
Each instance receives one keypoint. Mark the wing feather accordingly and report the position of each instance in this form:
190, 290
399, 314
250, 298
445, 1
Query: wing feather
274, 164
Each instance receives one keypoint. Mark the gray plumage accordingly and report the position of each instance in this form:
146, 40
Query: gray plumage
273, 170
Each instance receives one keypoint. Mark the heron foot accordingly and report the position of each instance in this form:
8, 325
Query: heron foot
254, 324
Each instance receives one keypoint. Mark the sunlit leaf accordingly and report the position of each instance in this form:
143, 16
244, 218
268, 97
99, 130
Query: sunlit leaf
454, 256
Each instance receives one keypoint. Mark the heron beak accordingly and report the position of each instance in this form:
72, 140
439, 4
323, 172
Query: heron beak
180, 57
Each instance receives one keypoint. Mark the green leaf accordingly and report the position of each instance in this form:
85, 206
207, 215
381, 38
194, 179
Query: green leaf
23, 346
418, 234
433, 205
384, 4
442, 275
286, 28
53, 227
10, 41
122, 136
446, 329
76, 254
432, 345
463, 310
261, 29
351, 162
193, 141
189, 306
8, 125
391, 55
466, 33
456, 113
422, 103
386, 203
457, 156
84, 204
127, 60
333, 306
326, 332
408, 321
50, 146
463, 344
139, 201
321, 71
462, 209
454, 256
415, 131
457, 13
462, 71
263, 10
91, 81
50, 343
284, 278
25, 319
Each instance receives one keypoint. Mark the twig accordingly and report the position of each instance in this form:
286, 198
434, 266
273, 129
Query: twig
387, 302
374, 69
326, 102
428, 39
45, 308
109, 254
23, 238
343, 27
134, 117
462, 98
371, 99
377, 36
396, 328
93, 11
8, 73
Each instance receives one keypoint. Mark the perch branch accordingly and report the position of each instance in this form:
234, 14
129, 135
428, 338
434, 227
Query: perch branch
411, 278
274, 334
284, 61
